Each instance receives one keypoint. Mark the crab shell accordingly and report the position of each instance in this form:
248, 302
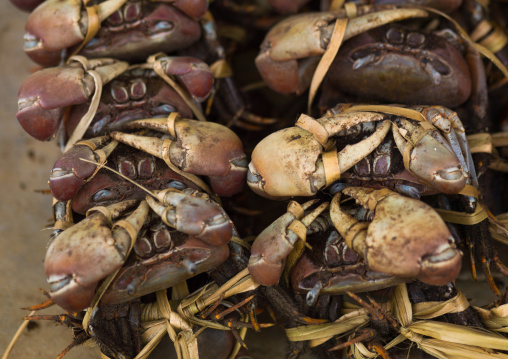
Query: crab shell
164, 269
337, 267
133, 32
400, 65
106, 188
306, 274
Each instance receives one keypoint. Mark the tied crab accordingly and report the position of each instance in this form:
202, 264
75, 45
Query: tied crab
79, 257
380, 61
143, 91
187, 147
114, 28
314, 154
397, 242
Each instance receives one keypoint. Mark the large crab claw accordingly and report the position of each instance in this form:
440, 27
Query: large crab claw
79, 257
406, 238
71, 171
275, 243
288, 53
138, 29
201, 148
429, 157
194, 213
43, 97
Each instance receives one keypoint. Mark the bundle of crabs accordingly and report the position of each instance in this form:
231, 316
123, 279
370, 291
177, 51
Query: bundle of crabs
320, 166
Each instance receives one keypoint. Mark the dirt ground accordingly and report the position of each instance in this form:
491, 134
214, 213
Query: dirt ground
24, 169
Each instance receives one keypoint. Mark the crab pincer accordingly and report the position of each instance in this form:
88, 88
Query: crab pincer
406, 237
71, 171
272, 246
84, 254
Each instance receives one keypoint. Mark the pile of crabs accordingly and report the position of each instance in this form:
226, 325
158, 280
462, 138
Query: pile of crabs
322, 166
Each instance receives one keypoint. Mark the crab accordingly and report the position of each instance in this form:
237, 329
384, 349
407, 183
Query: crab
128, 94
78, 177
81, 256
309, 157
292, 48
114, 28
285, 6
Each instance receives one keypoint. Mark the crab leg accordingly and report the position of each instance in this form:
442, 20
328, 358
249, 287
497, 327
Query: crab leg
275, 243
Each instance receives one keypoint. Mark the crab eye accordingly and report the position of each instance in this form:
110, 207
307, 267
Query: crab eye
103, 195
337, 187
177, 184
162, 26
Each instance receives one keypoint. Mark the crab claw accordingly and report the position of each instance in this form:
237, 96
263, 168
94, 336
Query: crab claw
406, 238
201, 148
81, 256
193, 73
73, 169
43, 97
289, 162
430, 157
275, 243
194, 213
